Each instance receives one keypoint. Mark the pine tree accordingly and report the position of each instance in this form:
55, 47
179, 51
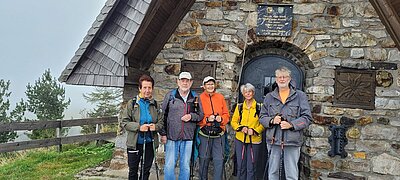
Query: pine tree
15, 115
46, 99
107, 102
4, 108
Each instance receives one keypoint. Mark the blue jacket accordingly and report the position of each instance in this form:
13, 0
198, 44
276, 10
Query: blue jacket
296, 110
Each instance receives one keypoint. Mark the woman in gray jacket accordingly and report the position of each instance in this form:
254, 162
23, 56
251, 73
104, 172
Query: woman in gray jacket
284, 114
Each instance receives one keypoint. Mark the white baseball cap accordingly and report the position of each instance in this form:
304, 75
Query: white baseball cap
185, 75
208, 78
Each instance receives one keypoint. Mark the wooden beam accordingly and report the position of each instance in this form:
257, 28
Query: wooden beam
153, 8
166, 31
88, 137
89, 121
17, 126
31, 125
389, 18
134, 75
17, 146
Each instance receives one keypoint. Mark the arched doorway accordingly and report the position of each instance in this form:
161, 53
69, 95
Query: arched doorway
260, 72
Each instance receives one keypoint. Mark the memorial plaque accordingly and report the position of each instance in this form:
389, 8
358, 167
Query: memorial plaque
354, 88
274, 20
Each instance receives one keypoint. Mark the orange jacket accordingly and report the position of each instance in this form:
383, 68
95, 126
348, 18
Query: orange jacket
219, 106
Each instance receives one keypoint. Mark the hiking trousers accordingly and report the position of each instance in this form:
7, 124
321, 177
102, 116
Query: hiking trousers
291, 158
134, 158
246, 164
211, 148
173, 150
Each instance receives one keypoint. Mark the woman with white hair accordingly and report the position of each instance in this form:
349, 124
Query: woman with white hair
248, 133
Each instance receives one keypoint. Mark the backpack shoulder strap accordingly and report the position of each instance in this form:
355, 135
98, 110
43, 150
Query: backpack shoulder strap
194, 94
172, 96
155, 103
258, 109
240, 108
135, 104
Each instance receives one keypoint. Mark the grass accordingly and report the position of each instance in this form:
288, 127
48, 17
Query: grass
49, 164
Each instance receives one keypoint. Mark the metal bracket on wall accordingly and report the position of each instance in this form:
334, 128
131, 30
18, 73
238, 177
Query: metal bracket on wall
338, 140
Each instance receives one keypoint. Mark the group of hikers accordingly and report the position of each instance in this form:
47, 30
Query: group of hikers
188, 120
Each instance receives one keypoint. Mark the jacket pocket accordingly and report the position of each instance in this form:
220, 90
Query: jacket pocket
294, 137
293, 111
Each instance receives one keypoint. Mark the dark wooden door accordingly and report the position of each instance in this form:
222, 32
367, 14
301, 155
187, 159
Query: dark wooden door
260, 72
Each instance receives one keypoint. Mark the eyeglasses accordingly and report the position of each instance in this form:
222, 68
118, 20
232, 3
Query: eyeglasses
282, 77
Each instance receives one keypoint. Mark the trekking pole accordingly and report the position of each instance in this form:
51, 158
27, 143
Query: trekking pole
252, 154
155, 155
265, 176
191, 161
143, 155
194, 148
282, 165
223, 158
251, 151
208, 143
243, 147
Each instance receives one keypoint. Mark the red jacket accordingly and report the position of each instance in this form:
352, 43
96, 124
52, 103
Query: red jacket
218, 105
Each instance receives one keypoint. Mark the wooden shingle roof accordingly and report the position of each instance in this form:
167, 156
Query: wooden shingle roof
100, 59
113, 46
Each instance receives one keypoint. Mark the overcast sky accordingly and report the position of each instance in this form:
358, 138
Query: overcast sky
36, 35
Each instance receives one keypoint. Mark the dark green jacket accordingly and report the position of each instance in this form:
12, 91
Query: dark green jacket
130, 118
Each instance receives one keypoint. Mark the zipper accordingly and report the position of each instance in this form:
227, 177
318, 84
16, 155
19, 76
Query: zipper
182, 122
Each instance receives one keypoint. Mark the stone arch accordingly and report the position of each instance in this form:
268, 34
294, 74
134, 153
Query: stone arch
285, 51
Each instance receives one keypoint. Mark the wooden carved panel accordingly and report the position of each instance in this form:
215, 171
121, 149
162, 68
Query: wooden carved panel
354, 88
199, 70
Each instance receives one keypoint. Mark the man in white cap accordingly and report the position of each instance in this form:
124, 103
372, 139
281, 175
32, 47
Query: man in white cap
212, 130
182, 111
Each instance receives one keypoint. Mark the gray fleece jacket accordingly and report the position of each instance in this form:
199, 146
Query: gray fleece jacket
296, 110
174, 108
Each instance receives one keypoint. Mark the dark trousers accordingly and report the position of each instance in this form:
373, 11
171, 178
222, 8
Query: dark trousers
246, 169
211, 148
134, 158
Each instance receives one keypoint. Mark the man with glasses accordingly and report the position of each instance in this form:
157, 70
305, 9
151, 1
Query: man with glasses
284, 114
182, 111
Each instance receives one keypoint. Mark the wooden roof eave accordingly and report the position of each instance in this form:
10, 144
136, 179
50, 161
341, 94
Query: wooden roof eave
93, 34
167, 28
389, 18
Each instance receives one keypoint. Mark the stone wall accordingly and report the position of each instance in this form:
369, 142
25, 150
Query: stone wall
331, 33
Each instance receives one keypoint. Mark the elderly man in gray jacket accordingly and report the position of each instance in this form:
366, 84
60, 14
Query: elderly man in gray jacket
285, 113
182, 111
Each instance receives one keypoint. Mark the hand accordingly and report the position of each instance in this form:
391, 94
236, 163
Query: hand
211, 118
152, 127
277, 120
218, 119
144, 128
164, 139
286, 125
186, 117
250, 131
244, 130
